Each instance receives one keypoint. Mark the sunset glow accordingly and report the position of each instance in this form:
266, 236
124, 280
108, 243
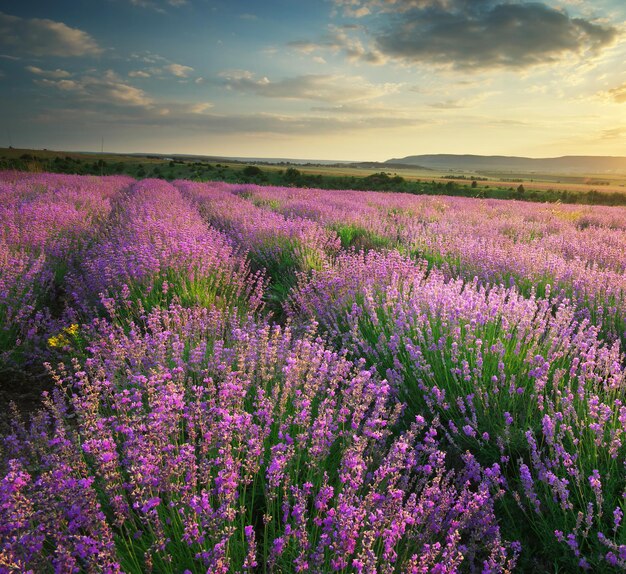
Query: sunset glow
334, 79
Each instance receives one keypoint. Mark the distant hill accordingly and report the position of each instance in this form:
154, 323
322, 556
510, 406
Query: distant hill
383, 165
565, 164
259, 160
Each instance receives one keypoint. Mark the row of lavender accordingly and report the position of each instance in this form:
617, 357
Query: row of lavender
187, 434
560, 250
279, 245
46, 221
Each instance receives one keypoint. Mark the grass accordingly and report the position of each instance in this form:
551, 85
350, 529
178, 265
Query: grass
359, 238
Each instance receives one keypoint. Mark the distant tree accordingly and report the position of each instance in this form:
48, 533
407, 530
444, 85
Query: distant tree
474, 184
520, 190
379, 176
252, 171
292, 174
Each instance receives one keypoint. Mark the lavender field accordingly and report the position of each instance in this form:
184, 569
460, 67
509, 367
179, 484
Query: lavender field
253, 379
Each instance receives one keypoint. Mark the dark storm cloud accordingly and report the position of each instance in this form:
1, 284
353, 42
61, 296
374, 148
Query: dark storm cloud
482, 34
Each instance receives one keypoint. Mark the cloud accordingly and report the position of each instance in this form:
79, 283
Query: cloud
107, 89
338, 39
277, 124
618, 94
55, 74
181, 116
114, 99
360, 8
306, 47
463, 102
163, 66
355, 8
451, 104
613, 133
478, 34
42, 37
366, 110
138, 74
148, 57
316, 87
158, 5
200, 108
179, 70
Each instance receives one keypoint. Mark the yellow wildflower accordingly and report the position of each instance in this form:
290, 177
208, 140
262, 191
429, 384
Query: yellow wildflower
62, 340
72, 329
59, 340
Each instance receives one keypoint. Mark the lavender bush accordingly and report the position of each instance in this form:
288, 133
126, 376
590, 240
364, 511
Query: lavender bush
177, 450
448, 399
518, 382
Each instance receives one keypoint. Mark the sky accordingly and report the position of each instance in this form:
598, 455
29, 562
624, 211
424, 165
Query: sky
315, 79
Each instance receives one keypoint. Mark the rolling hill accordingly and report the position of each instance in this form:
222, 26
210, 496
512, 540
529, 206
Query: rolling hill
565, 164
